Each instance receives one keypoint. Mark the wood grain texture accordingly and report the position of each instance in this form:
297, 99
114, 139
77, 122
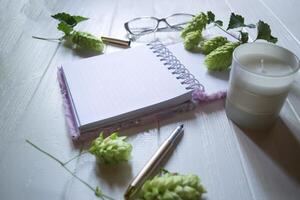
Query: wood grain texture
288, 20
232, 163
270, 159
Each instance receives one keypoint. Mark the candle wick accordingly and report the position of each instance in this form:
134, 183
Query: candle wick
262, 66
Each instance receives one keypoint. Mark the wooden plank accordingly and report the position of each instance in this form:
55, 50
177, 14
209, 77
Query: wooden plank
34, 111
208, 149
45, 125
23, 60
286, 14
40, 108
21, 74
271, 162
43, 109
285, 39
270, 159
26, 60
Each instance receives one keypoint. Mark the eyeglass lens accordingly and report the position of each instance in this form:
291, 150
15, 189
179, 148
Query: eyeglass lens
144, 25
178, 21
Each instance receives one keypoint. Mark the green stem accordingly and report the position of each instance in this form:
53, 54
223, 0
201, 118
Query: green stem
68, 170
80, 154
232, 35
48, 39
82, 181
41, 150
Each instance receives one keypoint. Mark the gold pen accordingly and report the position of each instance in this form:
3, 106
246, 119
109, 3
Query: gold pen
116, 42
153, 163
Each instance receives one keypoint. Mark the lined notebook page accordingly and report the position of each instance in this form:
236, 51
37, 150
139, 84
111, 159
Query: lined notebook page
110, 87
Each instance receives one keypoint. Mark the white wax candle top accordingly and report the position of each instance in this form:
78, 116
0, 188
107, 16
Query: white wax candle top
265, 65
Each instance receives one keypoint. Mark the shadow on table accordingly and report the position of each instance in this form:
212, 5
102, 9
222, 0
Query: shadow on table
205, 107
221, 75
119, 174
281, 145
83, 53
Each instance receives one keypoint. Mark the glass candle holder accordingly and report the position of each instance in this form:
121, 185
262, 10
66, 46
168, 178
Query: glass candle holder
260, 79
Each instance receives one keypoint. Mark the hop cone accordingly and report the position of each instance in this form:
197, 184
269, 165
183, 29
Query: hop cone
111, 150
220, 58
198, 23
192, 40
210, 45
87, 41
172, 187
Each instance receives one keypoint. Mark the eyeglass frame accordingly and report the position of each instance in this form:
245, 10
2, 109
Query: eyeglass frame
158, 21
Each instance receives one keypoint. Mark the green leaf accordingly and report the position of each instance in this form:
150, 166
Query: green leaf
69, 19
66, 18
219, 22
79, 18
210, 17
273, 39
237, 21
98, 192
264, 32
244, 37
67, 29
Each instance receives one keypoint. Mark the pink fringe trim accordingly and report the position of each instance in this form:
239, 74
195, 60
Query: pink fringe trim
69, 114
200, 96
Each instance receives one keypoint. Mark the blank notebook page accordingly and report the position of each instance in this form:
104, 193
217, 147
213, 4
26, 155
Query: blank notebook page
107, 86
212, 81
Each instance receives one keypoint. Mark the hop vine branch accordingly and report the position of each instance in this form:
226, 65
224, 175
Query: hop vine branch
96, 190
79, 39
218, 49
110, 150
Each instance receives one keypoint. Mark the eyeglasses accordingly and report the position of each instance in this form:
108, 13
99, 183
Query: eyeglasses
145, 25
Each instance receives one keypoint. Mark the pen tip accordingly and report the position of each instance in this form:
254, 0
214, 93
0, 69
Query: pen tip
181, 126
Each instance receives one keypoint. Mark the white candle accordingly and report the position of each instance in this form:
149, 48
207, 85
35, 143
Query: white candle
260, 79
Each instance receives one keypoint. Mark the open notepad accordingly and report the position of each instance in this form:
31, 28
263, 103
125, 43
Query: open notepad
108, 89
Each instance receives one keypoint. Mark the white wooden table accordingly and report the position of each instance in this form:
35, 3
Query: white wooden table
232, 164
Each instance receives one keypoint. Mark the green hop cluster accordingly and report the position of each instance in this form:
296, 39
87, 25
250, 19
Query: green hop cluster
112, 149
198, 23
81, 39
220, 58
172, 187
192, 39
210, 45
87, 41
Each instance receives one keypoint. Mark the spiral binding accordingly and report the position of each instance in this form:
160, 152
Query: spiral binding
177, 68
